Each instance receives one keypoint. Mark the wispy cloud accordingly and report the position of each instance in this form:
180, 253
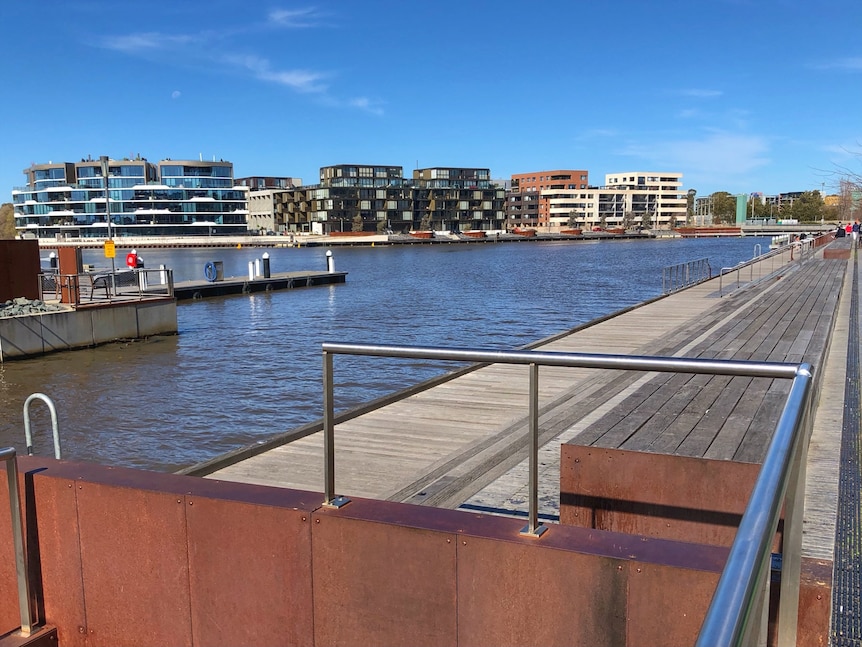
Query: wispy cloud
719, 154
851, 64
213, 47
699, 93
295, 18
595, 133
147, 42
367, 105
299, 80
176, 94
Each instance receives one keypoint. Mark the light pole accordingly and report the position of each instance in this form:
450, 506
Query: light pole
104, 160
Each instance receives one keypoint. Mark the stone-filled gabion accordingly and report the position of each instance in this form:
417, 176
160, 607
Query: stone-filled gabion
22, 306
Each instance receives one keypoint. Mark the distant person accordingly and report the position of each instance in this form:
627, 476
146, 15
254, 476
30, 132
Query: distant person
855, 232
848, 228
839, 232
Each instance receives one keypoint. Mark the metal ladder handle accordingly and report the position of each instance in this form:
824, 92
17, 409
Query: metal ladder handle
54, 425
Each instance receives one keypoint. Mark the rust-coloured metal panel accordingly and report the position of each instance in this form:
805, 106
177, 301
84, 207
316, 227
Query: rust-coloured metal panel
135, 568
9, 616
381, 584
815, 603
521, 593
250, 574
666, 606
814, 624
19, 269
657, 495
59, 556
69, 265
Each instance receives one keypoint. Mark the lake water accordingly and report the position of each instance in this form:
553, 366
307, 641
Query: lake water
243, 368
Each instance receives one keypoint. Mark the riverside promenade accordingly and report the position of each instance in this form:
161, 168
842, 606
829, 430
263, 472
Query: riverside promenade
459, 441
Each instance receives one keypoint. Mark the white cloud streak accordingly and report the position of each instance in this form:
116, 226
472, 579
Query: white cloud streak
294, 18
719, 154
299, 80
367, 105
851, 64
700, 93
209, 47
147, 42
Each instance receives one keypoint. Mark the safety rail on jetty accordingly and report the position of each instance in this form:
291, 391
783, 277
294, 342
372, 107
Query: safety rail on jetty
739, 607
106, 286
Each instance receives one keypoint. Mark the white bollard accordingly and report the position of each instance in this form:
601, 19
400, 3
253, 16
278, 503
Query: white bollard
163, 275
251, 270
257, 268
330, 262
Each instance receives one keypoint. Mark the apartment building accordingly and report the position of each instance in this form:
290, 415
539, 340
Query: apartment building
352, 197
528, 201
173, 197
556, 200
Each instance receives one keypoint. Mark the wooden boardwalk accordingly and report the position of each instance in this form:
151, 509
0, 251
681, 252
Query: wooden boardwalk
463, 442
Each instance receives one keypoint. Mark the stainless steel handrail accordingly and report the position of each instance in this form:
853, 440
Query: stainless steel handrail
729, 617
682, 275
744, 585
8, 456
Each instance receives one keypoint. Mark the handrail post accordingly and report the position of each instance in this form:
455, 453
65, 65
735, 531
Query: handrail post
533, 528
791, 554
9, 457
329, 498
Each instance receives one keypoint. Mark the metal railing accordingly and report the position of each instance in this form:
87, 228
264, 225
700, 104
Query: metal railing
138, 283
682, 275
7, 455
799, 251
740, 604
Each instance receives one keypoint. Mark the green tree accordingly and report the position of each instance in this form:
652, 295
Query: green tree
808, 207
723, 208
628, 219
7, 221
572, 222
689, 206
357, 223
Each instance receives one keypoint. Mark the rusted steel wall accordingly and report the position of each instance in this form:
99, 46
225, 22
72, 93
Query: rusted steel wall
657, 495
139, 558
19, 269
678, 498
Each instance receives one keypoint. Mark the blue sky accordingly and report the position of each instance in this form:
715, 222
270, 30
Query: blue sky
738, 95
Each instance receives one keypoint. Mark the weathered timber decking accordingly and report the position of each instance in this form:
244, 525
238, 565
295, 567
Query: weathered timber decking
442, 446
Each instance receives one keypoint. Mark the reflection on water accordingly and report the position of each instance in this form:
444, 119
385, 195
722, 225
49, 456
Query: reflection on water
245, 367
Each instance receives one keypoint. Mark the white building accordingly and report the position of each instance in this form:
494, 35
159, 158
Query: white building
650, 199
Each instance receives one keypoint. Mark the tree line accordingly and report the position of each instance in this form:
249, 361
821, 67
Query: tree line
7, 221
807, 207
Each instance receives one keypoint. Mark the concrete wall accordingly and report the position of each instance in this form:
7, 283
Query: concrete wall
85, 327
129, 557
